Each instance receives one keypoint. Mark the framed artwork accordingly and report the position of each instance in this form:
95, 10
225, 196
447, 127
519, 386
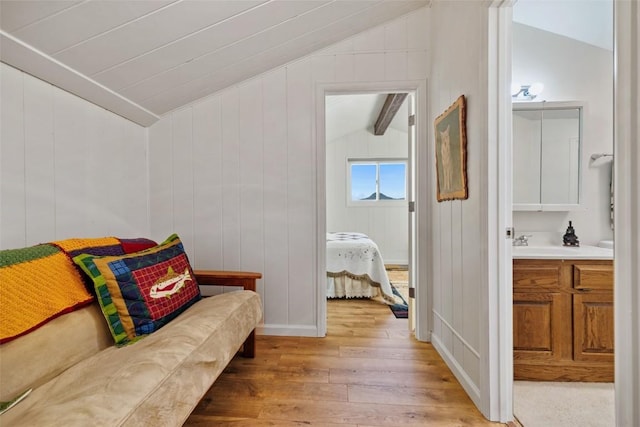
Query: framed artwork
451, 152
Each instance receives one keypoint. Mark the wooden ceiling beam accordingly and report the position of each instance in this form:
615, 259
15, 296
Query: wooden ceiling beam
387, 113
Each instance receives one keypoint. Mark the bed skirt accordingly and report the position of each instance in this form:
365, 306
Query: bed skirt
348, 287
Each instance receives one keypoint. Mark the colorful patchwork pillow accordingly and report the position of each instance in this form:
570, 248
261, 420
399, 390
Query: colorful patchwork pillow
141, 292
37, 284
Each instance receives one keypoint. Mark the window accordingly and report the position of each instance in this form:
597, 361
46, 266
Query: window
377, 180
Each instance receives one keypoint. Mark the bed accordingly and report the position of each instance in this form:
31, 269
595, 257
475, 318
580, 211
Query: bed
355, 268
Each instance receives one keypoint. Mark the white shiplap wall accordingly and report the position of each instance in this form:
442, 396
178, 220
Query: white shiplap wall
459, 243
387, 225
247, 156
67, 167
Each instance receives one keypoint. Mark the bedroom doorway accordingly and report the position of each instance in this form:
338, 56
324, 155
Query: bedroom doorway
369, 179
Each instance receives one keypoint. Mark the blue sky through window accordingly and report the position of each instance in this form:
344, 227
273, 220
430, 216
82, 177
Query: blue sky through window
392, 180
391, 184
363, 180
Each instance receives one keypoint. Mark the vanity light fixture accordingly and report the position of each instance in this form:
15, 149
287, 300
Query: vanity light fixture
526, 92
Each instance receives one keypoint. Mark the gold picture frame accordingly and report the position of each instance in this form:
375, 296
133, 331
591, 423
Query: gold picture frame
451, 152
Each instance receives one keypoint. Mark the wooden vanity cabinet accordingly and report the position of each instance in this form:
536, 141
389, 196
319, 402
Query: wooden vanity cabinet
563, 320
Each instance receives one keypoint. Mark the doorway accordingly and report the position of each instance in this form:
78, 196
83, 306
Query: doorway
342, 143
535, 42
369, 184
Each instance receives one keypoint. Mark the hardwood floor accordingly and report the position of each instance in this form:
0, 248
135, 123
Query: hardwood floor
367, 371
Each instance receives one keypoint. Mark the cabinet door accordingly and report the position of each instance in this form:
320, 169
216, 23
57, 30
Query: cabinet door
593, 327
541, 326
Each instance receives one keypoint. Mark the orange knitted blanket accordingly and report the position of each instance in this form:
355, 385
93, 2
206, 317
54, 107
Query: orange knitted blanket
40, 283
37, 284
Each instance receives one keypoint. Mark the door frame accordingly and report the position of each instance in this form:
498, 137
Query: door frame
626, 150
419, 90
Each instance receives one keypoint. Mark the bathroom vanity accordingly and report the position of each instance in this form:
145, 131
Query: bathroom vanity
563, 314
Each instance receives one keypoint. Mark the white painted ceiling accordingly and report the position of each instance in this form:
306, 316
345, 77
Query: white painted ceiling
144, 58
345, 114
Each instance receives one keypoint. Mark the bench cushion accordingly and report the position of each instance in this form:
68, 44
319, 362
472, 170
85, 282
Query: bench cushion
156, 381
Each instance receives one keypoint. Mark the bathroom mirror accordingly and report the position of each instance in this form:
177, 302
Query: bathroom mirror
547, 146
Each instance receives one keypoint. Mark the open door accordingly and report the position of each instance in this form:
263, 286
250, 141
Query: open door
411, 181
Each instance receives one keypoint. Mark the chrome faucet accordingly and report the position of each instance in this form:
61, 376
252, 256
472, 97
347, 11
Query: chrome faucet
522, 240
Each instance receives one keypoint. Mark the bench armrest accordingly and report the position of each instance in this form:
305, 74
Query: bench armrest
246, 279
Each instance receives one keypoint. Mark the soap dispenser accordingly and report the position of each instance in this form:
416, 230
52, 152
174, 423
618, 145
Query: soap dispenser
570, 238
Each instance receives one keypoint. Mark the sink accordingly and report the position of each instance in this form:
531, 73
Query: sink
561, 252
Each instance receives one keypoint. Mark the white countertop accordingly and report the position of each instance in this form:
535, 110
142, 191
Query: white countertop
561, 252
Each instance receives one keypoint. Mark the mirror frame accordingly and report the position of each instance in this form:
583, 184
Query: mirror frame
546, 106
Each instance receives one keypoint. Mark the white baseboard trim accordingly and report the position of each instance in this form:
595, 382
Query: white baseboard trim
469, 386
288, 330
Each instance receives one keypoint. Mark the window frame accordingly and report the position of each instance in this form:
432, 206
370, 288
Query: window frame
376, 162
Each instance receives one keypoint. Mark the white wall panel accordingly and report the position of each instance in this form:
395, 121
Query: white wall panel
207, 173
396, 65
134, 191
69, 168
446, 262
369, 67
12, 155
301, 192
344, 68
69, 156
250, 101
182, 158
161, 173
457, 227
263, 199
96, 187
462, 271
276, 199
231, 180
40, 169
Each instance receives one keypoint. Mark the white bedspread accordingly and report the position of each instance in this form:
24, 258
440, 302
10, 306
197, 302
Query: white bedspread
358, 257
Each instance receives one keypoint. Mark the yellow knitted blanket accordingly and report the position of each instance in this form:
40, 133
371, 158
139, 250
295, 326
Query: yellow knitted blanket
37, 284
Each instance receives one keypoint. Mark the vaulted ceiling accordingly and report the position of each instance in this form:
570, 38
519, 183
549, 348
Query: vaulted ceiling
144, 58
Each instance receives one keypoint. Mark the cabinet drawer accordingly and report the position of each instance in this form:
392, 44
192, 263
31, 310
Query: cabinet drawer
593, 276
528, 275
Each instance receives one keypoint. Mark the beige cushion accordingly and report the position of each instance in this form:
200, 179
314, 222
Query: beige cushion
156, 381
33, 359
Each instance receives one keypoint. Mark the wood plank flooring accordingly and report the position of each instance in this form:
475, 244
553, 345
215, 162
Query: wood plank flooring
368, 371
